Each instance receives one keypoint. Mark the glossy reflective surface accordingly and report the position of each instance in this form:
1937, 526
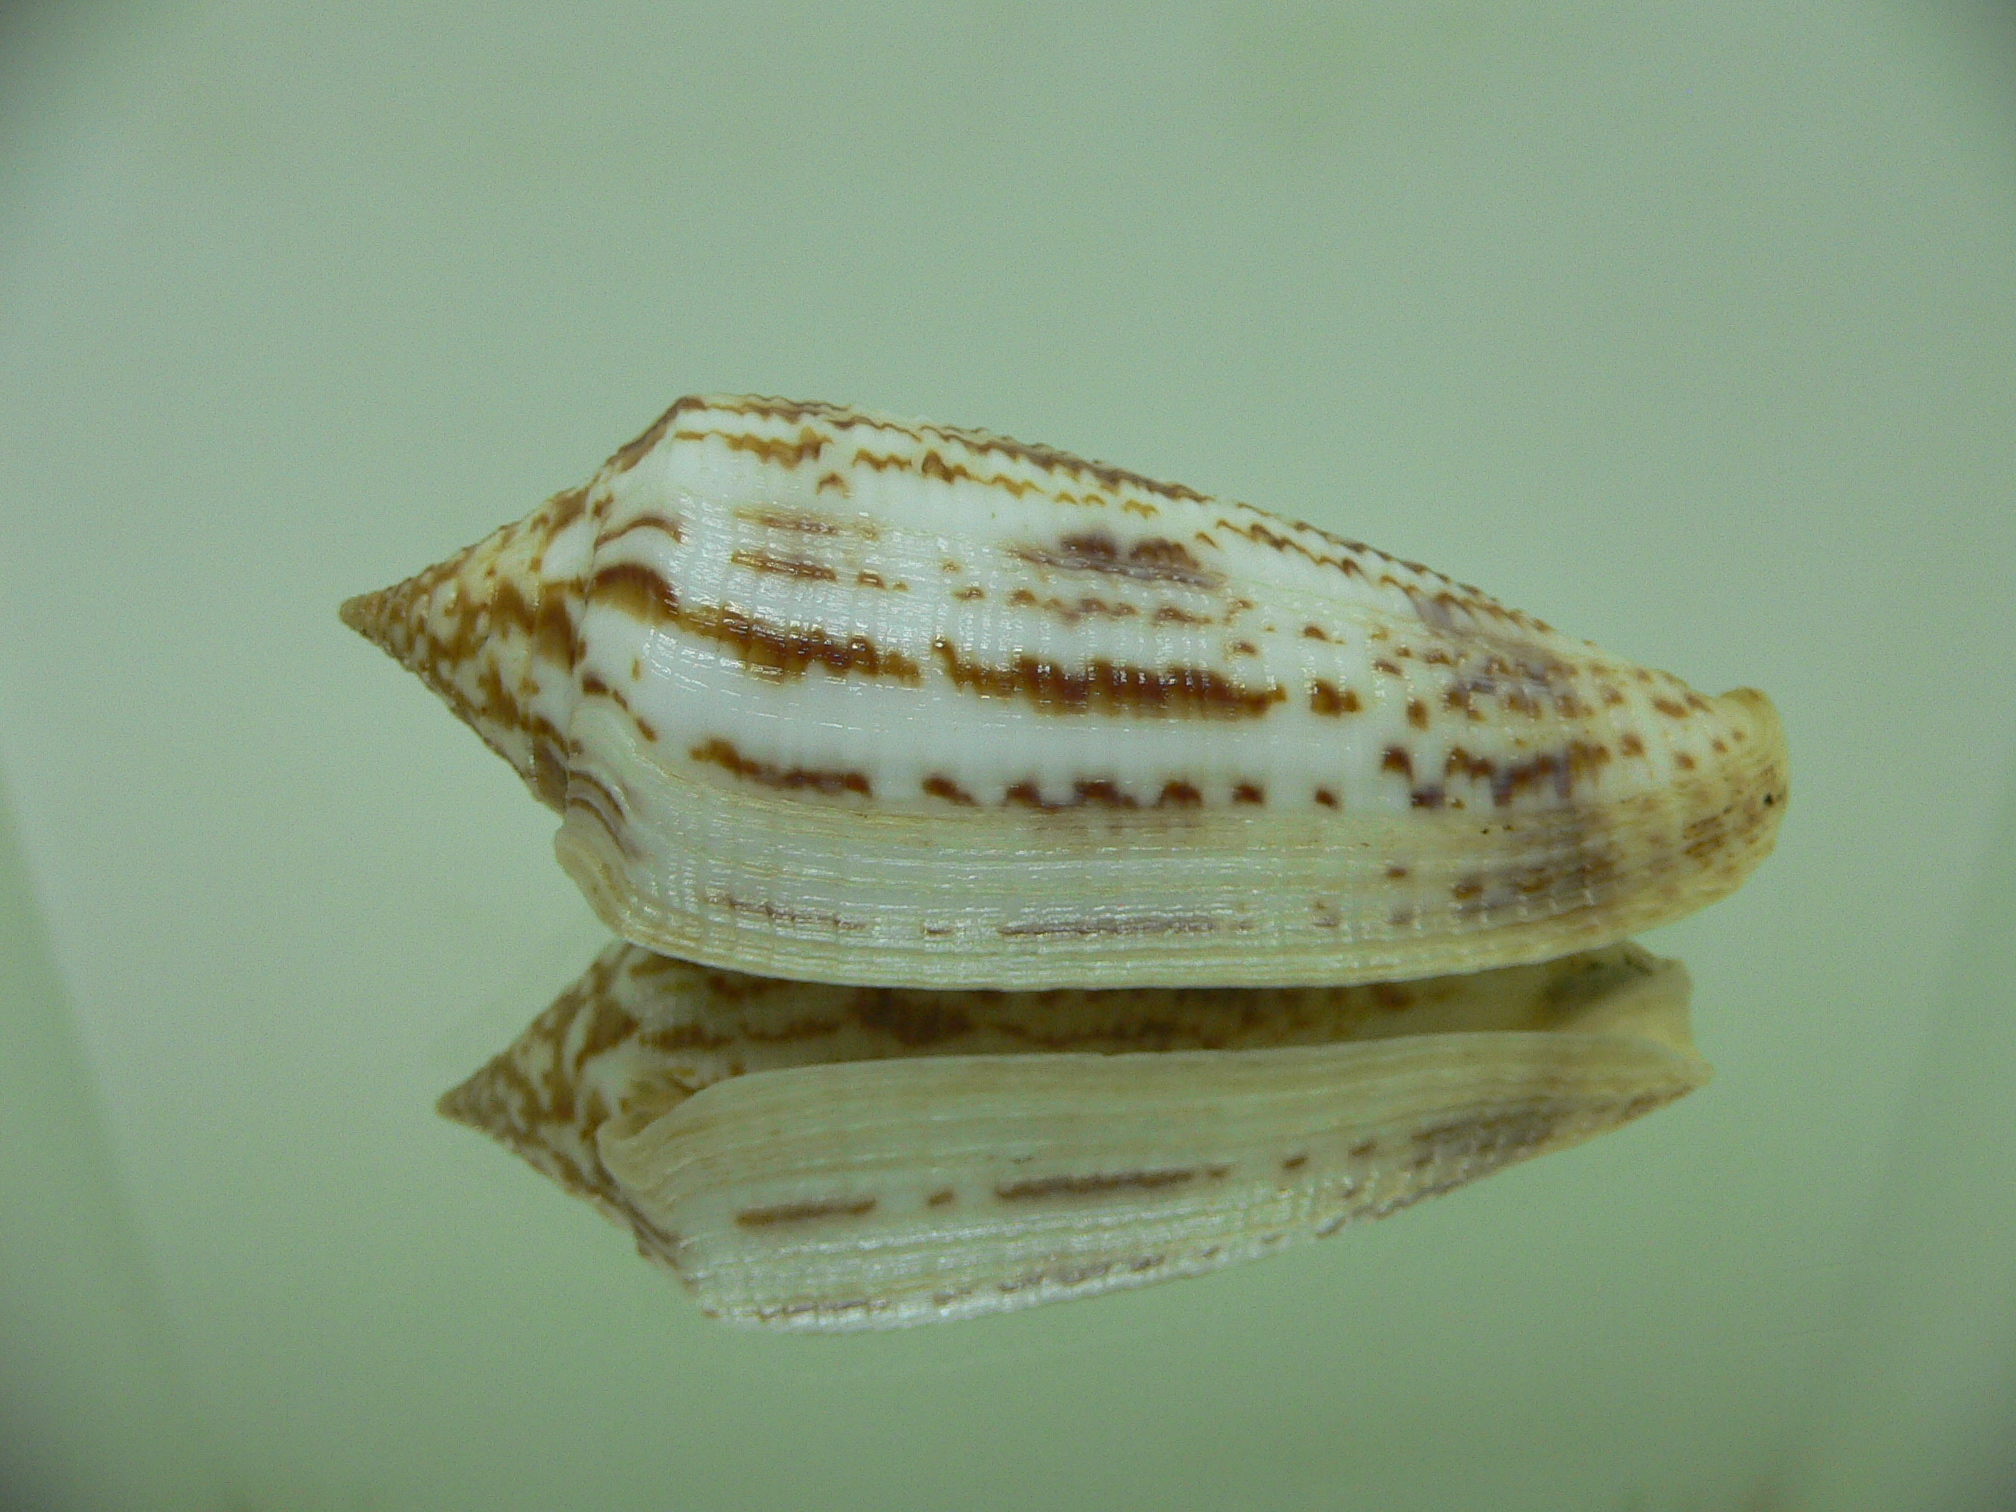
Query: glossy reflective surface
1694, 333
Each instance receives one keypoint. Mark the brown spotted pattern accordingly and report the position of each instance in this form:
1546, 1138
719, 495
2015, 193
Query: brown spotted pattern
1469, 662
849, 636
722, 753
1103, 686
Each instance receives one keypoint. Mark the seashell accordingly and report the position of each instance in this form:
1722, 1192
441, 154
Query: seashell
825, 695
826, 1158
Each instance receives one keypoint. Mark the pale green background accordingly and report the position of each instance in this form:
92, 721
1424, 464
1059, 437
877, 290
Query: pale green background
1692, 329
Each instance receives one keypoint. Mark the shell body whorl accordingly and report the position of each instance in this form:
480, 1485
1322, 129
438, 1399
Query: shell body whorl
830, 696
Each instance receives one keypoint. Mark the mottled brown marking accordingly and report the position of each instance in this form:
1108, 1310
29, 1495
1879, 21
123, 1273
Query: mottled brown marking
1460, 763
1380, 664
776, 914
978, 443
916, 1020
1070, 612
939, 1198
1438, 609
1671, 708
785, 651
1245, 648
1260, 535
1097, 793
834, 481
783, 566
1108, 927
1170, 614
1417, 713
1467, 889
631, 452
722, 753
663, 524
1683, 761
553, 633
608, 1027
970, 592
1558, 770
1396, 871
940, 786
1295, 1162
1178, 795
635, 590
1106, 687
675, 1038
1325, 797
870, 580
799, 522
1398, 760
805, 1212
882, 461
1631, 745
785, 453
1327, 698
1051, 459
1315, 633
1249, 792
1364, 1149
1150, 559
1098, 1185
935, 466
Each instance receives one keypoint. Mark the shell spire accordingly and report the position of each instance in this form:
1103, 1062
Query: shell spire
826, 695
491, 630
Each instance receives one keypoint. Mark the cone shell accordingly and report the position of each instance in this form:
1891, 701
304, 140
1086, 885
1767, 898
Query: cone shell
829, 696
829, 1158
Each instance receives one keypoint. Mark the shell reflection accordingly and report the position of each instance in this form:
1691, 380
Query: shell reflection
906, 1156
